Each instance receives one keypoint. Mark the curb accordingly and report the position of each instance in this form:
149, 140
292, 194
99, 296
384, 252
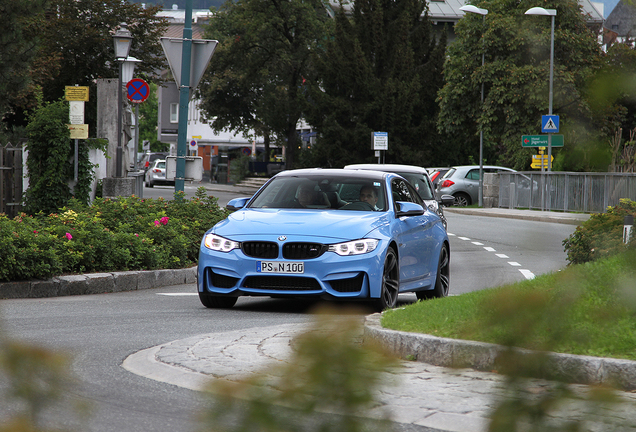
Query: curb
531, 215
457, 353
97, 283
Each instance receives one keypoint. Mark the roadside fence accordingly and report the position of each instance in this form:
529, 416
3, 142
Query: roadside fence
565, 191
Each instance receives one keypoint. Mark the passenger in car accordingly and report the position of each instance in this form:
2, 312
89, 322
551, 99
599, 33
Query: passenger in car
307, 196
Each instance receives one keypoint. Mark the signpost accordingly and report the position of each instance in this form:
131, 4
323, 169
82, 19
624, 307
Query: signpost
541, 141
540, 161
380, 141
188, 58
137, 90
76, 96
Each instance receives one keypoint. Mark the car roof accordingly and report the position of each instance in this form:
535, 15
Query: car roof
388, 168
485, 166
309, 172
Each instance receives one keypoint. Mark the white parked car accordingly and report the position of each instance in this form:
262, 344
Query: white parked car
156, 174
419, 178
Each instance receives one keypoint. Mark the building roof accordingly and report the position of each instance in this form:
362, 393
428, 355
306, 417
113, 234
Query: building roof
622, 19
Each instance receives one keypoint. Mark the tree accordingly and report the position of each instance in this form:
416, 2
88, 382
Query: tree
148, 114
382, 72
255, 77
612, 96
77, 45
516, 79
20, 21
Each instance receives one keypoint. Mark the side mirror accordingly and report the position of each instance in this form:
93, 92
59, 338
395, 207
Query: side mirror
447, 200
236, 203
408, 209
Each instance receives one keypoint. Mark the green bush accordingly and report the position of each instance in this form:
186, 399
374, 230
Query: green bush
110, 235
601, 235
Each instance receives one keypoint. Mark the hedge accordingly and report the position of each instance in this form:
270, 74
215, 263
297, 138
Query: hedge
128, 233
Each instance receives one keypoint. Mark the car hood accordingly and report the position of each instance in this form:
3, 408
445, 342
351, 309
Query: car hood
326, 224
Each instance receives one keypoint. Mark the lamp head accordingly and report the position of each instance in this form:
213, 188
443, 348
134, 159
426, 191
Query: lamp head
541, 11
474, 9
123, 39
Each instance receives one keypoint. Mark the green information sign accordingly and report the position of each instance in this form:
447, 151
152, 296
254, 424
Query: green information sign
541, 141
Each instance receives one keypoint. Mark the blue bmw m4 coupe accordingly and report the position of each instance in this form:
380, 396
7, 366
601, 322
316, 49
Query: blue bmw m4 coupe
331, 233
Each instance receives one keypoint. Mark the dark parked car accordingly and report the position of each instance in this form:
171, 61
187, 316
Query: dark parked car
436, 175
148, 158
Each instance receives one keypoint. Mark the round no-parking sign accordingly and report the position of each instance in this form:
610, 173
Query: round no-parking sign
138, 90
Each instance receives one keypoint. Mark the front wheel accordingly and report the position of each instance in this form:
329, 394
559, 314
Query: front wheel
442, 282
217, 302
390, 283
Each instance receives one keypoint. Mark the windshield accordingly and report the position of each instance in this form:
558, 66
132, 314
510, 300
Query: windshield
323, 192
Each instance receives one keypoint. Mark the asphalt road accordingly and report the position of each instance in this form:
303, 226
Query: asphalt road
100, 331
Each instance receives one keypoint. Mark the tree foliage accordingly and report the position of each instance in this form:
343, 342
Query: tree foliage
255, 78
382, 71
20, 21
516, 80
50, 160
77, 47
148, 115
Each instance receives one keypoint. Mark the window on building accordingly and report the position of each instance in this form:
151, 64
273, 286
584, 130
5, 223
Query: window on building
174, 113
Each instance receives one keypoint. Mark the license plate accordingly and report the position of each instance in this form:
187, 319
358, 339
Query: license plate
280, 267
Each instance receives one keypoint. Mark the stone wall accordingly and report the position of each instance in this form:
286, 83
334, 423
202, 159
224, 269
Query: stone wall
491, 190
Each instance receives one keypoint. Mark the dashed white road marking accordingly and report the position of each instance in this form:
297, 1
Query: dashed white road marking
527, 273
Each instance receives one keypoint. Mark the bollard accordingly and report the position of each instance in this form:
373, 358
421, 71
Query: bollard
628, 225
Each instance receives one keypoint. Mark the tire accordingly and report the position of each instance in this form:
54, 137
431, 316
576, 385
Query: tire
390, 282
150, 184
462, 199
217, 302
442, 282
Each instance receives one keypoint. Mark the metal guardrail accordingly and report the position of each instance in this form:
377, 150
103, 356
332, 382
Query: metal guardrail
565, 191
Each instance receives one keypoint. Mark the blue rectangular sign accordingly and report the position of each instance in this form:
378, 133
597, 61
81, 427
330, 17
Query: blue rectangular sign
550, 124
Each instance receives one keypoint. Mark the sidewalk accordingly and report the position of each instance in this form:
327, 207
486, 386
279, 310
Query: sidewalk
422, 394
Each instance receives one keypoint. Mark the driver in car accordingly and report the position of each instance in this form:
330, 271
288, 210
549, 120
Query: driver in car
369, 195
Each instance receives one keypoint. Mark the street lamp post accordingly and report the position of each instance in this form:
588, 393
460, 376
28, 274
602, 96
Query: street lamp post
123, 39
551, 13
483, 12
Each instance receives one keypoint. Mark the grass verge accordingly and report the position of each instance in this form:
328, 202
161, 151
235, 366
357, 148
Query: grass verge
587, 309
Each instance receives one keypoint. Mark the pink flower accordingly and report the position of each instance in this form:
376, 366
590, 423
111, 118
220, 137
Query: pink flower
164, 220
35, 232
69, 236
157, 223
136, 235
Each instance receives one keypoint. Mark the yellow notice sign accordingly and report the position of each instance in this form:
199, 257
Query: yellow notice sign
76, 93
78, 131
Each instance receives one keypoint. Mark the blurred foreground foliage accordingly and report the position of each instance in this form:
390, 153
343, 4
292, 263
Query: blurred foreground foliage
36, 380
129, 233
329, 371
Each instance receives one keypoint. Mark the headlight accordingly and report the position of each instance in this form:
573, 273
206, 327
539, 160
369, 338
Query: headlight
355, 247
220, 244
